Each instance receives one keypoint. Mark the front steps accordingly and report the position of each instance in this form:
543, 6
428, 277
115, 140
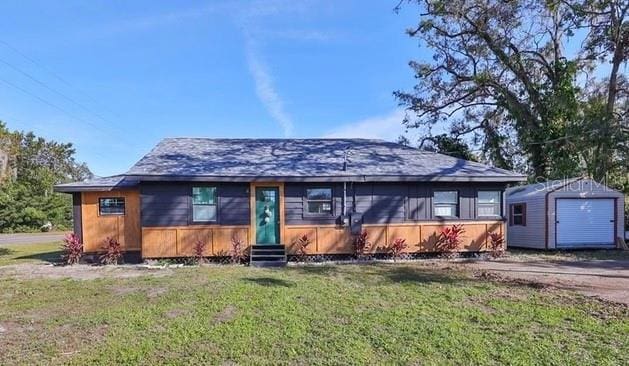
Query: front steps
268, 256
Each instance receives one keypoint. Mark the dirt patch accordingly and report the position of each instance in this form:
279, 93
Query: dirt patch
174, 313
225, 315
29, 271
155, 292
605, 279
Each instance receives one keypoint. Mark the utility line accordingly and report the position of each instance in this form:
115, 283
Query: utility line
51, 104
54, 74
44, 85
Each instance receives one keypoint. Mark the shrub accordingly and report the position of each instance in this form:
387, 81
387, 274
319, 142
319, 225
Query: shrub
361, 244
112, 252
72, 249
449, 239
199, 252
237, 253
496, 244
302, 243
397, 247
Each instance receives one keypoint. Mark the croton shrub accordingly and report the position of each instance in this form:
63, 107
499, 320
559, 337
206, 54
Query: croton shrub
72, 249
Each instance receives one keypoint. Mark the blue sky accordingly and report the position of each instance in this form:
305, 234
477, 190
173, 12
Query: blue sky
114, 77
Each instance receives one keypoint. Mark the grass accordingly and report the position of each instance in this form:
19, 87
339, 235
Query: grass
344, 314
25, 253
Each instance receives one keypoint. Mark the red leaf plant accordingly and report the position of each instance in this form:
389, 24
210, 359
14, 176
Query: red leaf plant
199, 252
112, 252
237, 253
301, 244
72, 249
396, 248
496, 245
361, 244
450, 239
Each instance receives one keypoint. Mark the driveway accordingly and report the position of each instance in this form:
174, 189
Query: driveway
31, 238
607, 279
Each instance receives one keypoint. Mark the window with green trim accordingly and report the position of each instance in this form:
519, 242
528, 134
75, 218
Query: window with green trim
204, 208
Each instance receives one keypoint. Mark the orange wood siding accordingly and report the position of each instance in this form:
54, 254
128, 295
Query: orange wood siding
162, 242
420, 237
124, 228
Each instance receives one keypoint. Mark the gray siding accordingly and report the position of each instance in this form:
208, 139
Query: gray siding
295, 201
383, 203
532, 235
419, 204
169, 204
77, 219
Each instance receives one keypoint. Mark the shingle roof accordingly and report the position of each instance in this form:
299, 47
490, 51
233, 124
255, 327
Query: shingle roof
98, 184
305, 160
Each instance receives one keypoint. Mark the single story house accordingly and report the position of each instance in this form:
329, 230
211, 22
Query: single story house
565, 214
268, 192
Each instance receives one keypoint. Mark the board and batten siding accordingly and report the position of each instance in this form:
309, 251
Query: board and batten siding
295, 203
169, 204
382, 203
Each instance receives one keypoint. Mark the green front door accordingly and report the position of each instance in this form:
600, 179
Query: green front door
267, 215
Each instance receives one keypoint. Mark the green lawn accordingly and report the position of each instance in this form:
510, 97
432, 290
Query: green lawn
345, 314
24, 253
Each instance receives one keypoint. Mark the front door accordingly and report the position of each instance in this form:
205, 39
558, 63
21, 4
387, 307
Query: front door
267, 215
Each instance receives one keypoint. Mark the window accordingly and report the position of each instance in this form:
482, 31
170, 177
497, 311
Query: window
445, 203
488, 203
203, 204
319, 201
111, 206
518, 214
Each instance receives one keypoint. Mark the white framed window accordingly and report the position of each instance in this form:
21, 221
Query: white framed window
445, 203
488, 203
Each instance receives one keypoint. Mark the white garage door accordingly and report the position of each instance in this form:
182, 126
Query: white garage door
585, 222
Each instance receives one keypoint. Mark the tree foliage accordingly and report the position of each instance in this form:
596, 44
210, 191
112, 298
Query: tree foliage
27, 200
500, 73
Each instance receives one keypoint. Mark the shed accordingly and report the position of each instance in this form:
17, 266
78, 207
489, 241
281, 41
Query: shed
564, 214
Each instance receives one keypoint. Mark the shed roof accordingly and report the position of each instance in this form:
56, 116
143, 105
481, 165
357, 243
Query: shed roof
530, 191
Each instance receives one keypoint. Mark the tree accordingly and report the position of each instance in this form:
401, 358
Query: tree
448, 145
27, 199
497, 63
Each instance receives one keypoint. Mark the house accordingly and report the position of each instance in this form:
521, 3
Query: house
268, 192
565, 214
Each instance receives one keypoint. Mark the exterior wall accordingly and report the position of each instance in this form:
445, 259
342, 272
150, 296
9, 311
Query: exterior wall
585, 189
294, 203
383, 203
420, 237
170, 242
532, 235
77, 221
125, 228
157, 219
169, 204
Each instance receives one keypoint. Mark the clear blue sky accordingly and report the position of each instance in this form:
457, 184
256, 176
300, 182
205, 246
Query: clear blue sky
114, 77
